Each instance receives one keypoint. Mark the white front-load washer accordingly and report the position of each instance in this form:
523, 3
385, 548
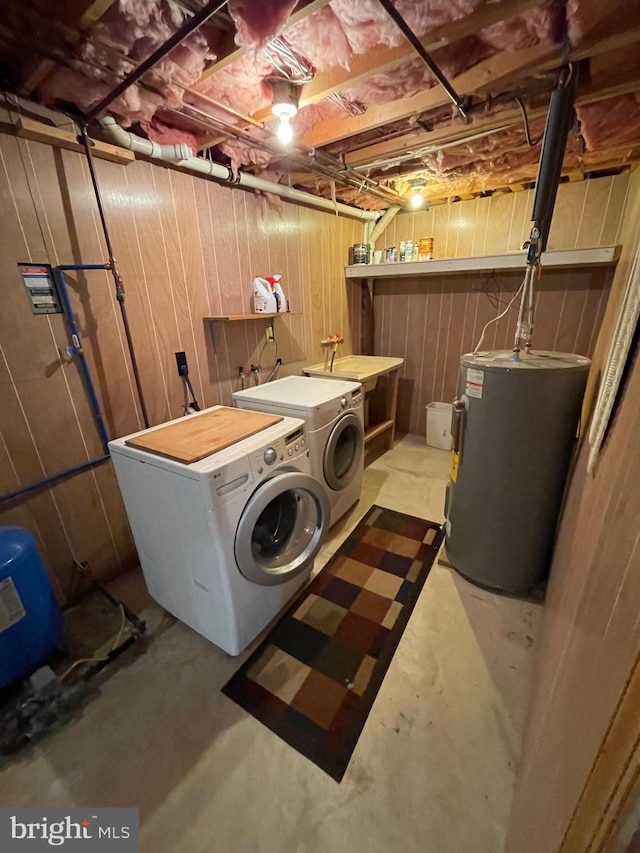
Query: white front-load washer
333, 412
225, 542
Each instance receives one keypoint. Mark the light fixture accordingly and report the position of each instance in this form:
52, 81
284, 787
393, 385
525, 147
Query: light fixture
285, 130
417, 188
286, 96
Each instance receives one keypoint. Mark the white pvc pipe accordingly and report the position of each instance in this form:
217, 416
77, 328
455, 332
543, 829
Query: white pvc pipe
182, 156
122, 137
382, 223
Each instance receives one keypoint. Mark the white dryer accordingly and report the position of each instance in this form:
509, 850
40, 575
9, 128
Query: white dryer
225, 542
333, 412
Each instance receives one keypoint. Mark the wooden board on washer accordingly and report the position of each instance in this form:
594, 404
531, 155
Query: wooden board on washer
198, 436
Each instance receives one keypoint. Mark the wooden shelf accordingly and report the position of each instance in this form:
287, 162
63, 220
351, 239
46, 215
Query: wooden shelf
373, 431
602, 256
235, 317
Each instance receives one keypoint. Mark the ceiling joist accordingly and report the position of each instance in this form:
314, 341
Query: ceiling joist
414, 141
500, 69
383, 59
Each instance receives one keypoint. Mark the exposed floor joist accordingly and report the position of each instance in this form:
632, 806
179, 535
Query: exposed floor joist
415, 141
383, 59
503, 68
497, 70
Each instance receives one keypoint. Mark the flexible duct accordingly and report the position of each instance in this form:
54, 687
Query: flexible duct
181, 156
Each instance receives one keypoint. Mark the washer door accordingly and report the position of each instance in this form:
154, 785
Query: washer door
343, 452
282, 528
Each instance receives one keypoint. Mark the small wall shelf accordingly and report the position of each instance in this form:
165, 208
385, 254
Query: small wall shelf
601, 256
235, 317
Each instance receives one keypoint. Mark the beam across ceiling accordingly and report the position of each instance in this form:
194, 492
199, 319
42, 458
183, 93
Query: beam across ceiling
504, 69
497, 70
302, 11
456, 130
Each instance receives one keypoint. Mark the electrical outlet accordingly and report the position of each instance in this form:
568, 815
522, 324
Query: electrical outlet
181, 363
476, 284
269, 333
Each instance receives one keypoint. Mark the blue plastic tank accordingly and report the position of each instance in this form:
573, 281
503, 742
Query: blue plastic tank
30, 619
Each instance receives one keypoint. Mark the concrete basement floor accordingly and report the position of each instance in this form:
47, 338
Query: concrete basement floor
434, 769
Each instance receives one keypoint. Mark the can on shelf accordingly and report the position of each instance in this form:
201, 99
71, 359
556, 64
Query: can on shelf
408, 251
426, 248
402, 250
360, 254
390, 254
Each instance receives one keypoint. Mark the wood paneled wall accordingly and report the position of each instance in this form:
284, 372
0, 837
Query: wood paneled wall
431, 322
587, 214
590, 644
187, 248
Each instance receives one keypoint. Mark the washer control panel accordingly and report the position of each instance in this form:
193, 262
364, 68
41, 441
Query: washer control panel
287, 448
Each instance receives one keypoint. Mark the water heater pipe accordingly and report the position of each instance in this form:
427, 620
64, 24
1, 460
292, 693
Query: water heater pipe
559, 120
170, 154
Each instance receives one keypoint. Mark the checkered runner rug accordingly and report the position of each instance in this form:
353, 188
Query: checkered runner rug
315, 677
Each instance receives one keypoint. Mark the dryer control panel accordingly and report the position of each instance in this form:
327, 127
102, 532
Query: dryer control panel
339, 405
282, 450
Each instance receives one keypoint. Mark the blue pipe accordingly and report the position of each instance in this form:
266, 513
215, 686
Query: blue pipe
76, 349
10, 496
83, 267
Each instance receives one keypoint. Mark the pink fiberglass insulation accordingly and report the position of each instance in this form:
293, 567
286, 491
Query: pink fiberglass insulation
326, 38
169, 134
321, 39
609, 123
535, 26
313, 114
413, 77
497, 145
129, 31
240, 85
366, 24
591, 20
244, 154
257, 22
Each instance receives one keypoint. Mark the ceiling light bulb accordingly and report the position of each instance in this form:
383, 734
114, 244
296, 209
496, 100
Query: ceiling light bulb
417, 199
285, 130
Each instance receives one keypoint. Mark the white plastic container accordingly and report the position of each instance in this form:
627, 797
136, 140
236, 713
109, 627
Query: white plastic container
281, 301
439, 425
264, 302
